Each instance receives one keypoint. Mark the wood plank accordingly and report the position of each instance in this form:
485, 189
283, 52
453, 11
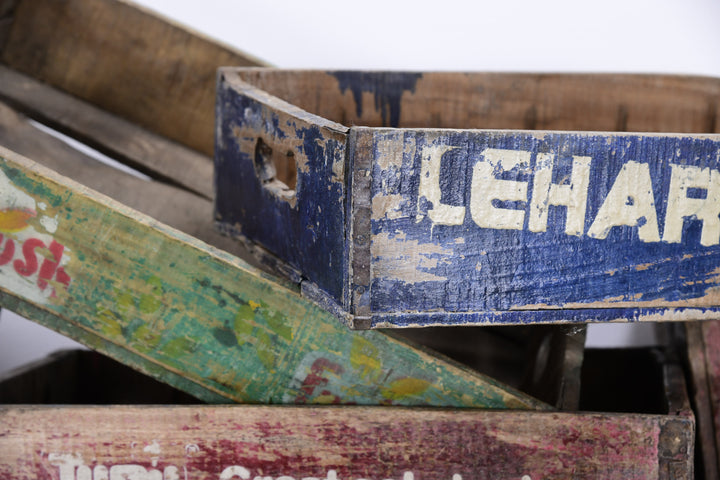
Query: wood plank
117, 138
196, 317
125, 60
516, 101
461, 226
346, 443
170, 205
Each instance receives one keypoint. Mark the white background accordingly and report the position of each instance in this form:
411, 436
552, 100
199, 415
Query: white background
658, 36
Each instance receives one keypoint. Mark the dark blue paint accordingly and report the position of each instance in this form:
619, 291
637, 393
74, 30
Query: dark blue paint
520, 267
528, 317
307, 239
387, 88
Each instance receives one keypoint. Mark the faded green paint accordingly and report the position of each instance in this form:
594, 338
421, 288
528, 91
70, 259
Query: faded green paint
210, 324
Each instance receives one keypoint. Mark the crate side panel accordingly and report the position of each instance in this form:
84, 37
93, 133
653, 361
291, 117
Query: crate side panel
473, 221
175, 308
304, 226
126, 60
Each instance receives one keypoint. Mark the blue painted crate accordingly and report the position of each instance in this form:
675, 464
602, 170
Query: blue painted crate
418, 214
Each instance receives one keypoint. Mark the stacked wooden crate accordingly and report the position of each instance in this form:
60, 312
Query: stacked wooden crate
161, 292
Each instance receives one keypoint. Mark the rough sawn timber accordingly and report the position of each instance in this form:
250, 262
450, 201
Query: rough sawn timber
122, 58
195, 317
408, 210
348, 443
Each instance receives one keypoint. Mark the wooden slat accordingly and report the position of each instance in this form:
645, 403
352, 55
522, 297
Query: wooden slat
195, 317
160, 158
170, 205
591, 102
125, 60
346, 443
468, 226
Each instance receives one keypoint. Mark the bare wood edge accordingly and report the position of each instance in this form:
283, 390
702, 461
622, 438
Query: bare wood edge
234, 80
250, 59
150, 153
679, 432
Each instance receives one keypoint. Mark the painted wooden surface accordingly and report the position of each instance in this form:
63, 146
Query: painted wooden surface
168, 204
122, 58
195, 317
450, 226
241, 442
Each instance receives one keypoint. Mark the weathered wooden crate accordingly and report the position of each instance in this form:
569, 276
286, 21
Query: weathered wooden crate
386, 196
703, 359
130, 285
118, 442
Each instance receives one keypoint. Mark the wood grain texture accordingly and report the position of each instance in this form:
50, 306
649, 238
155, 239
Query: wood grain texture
702, 403
117, 138
348, 443
170, 205
195, 317
704, 361
125, 60
470, 226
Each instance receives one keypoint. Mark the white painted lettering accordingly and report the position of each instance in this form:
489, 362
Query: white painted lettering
680, 206
66, 463
440, 213
629, 202
486, 188
573, 197
83, 473
100, 472
235, 471
128, 472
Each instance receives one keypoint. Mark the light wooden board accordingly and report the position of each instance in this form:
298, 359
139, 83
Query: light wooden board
349, 443
125, 60
195, 317
119, 139
704, 362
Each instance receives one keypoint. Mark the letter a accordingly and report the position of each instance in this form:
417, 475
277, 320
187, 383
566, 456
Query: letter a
630, 199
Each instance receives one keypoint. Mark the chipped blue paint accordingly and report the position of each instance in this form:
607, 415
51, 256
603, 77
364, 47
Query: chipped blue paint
386, 87
497, 269
473, 226
308, 235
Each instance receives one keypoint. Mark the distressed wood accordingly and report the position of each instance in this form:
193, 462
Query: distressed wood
124, 59
229, 442
195, 317
177, 208
117, 138
455, 227
704, 365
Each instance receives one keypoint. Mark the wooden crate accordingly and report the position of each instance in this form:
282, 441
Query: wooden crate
227, 442
388, 198
133, 286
